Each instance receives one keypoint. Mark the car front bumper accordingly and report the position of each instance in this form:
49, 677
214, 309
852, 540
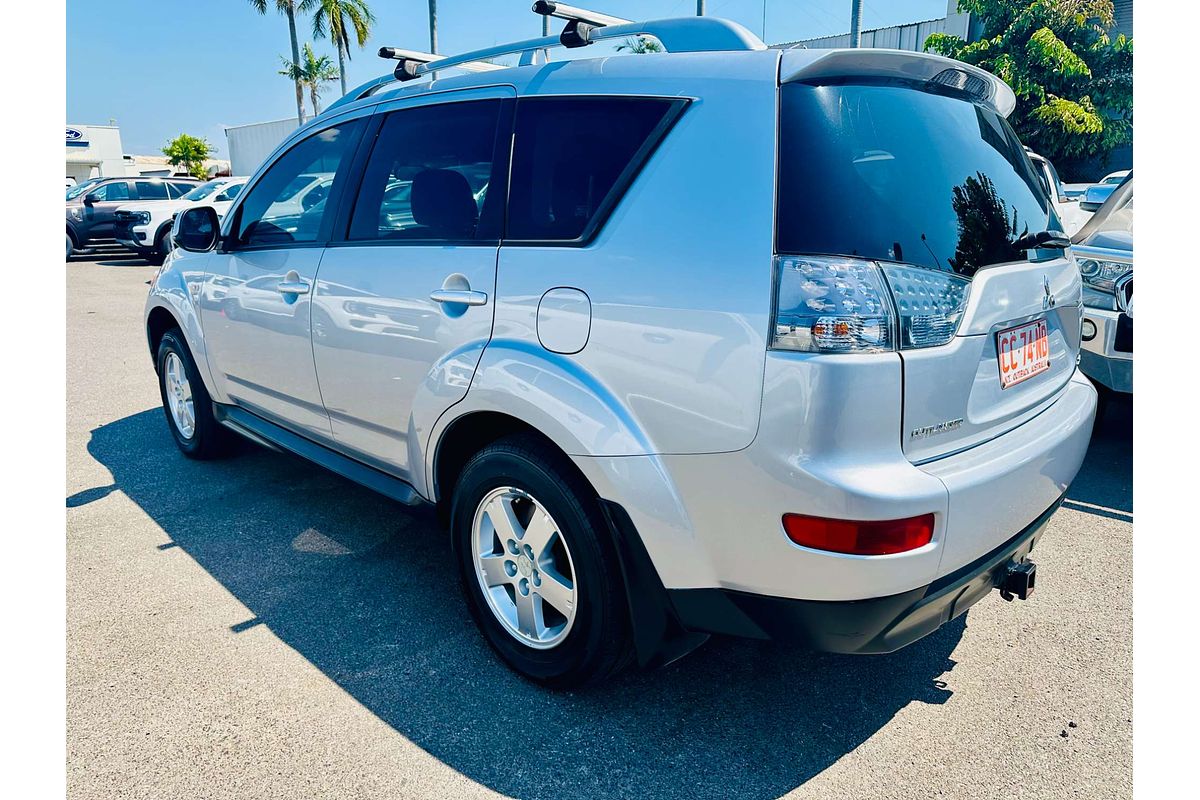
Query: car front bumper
1107, 358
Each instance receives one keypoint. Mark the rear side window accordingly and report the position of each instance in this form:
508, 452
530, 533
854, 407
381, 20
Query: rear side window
893, 172
573, 157
151, 190
433, 176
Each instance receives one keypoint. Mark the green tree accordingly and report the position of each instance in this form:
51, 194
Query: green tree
311, 73
288, 9
189, 152
1073, 82
640, 44
340, 19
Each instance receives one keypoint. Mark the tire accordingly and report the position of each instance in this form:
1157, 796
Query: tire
204, 437
162, 246
594, 642
70, 247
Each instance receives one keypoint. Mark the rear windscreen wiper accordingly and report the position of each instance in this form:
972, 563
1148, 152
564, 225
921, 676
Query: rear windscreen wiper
1043, 240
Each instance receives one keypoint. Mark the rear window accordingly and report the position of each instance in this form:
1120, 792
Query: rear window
890, 172
573, 158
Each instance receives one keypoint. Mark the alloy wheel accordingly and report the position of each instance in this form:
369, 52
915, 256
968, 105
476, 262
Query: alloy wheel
179, 396
524, 567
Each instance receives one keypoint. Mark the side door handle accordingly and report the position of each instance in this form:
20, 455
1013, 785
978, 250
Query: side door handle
466, 297
292, 283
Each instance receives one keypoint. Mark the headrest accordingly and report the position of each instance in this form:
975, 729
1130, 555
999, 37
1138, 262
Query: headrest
442, 201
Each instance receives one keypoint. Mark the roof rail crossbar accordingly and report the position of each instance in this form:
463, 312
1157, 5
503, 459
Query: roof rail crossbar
678, 35
548, 8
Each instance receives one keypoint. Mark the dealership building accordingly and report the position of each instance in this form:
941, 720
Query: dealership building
94, 151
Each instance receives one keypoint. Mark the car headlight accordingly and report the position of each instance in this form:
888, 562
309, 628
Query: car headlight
1101, 274
141, 218
76, 213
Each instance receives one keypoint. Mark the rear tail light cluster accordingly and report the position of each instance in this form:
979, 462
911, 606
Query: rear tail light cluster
875, 538
847, 305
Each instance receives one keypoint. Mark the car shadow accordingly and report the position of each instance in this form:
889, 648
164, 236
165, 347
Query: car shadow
366, 591
1104, 486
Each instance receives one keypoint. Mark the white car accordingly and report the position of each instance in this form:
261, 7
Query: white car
1103, 250
1069, 211
145, 227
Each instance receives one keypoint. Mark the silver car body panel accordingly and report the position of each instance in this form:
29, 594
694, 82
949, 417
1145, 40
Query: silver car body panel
674, 407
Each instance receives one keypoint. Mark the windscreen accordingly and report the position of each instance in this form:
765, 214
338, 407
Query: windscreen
899, 172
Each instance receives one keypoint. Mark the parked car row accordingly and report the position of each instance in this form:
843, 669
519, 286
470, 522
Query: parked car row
92, 205
145, 227
780, 344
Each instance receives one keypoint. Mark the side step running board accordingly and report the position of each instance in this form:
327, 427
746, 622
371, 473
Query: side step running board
262, 432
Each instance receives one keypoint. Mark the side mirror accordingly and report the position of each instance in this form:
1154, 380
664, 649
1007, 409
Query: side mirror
1095, 196
197, 229
91, 198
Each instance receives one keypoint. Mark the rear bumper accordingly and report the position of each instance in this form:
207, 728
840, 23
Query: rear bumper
876, 625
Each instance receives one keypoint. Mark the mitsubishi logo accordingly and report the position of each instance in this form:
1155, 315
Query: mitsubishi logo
1048, 299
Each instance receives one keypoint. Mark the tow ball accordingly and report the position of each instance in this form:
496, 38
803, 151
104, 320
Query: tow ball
1018, 580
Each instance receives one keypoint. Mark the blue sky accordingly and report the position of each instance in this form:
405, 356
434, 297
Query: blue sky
159, 67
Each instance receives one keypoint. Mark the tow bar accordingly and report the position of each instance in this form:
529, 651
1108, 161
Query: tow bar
1018, 580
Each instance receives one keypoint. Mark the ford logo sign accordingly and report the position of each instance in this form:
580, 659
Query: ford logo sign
74, 135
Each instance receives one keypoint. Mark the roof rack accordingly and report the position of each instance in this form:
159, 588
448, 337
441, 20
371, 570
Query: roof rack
583, 28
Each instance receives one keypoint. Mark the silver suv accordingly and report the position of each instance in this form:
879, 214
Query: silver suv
728, 339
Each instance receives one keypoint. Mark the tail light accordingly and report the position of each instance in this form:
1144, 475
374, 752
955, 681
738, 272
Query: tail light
847, 305
875, 538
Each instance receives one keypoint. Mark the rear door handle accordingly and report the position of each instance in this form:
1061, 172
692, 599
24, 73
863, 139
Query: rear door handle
466, 297
292, 287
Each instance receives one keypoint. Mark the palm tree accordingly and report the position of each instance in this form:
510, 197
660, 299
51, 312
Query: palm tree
340, 18
288, 8
433, 26
311, 72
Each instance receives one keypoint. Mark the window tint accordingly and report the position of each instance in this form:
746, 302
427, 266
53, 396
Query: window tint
429, 175
180, 189
892, 172
151, 190
288, 204
569, 157
118, 190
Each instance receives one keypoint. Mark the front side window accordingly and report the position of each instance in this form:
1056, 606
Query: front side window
429, 176
81, 188
288, 204
897, 172
181, 189
151, 190
112, 192
570, 157
229, 193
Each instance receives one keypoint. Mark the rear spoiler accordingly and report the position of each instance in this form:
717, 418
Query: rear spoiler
815, 65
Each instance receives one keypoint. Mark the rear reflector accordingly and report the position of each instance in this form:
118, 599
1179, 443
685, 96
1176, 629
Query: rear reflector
875, 538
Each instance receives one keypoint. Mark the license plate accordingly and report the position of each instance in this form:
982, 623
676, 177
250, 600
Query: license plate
1022, 352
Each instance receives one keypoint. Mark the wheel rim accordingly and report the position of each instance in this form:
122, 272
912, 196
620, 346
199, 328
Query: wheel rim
179, 396
524, 568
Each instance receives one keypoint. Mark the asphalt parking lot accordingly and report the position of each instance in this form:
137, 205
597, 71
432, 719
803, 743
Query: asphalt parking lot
258, 627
